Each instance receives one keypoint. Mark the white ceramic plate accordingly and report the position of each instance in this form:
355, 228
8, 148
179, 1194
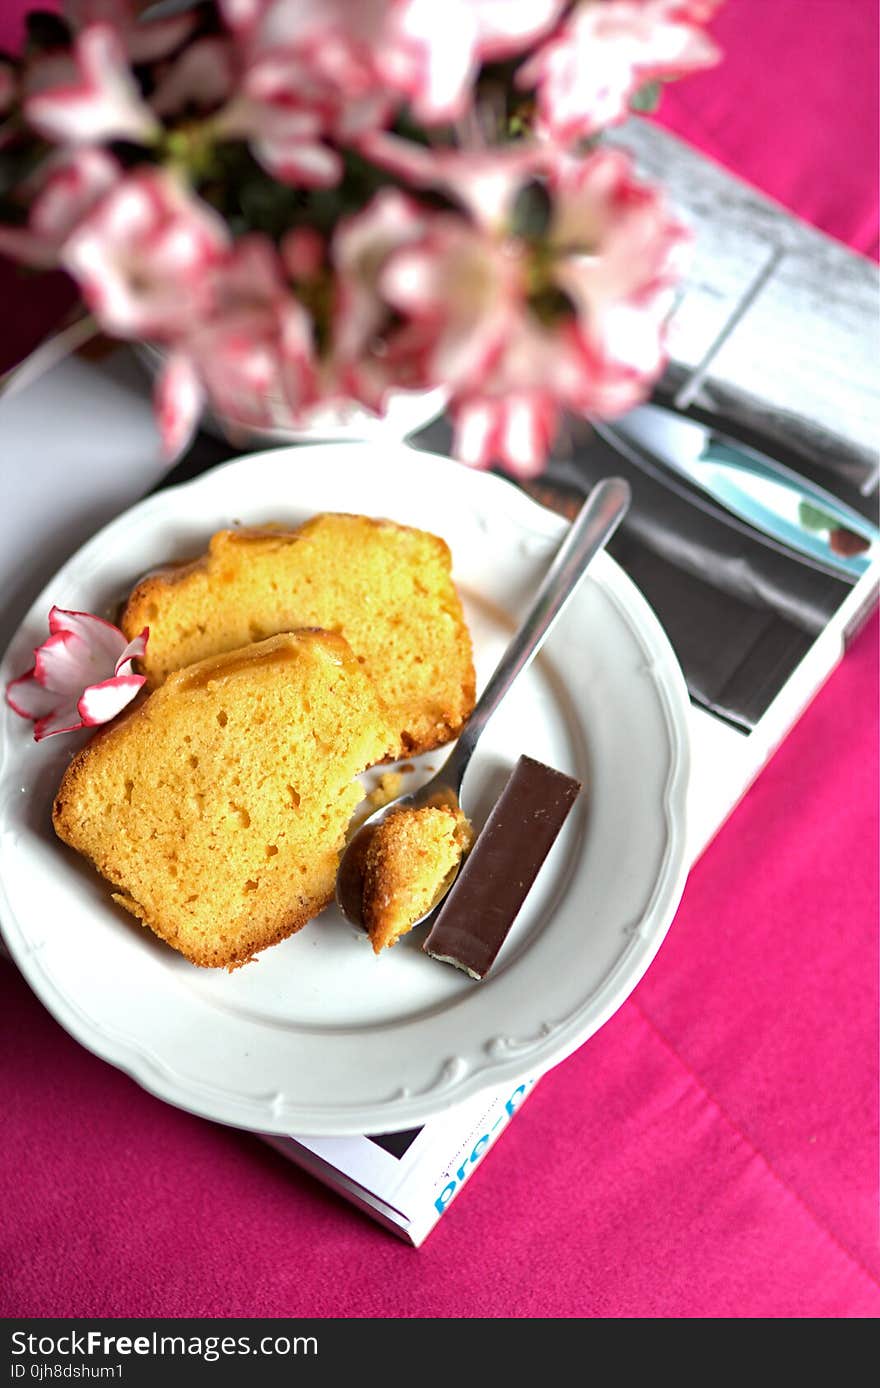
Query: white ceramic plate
319, 1036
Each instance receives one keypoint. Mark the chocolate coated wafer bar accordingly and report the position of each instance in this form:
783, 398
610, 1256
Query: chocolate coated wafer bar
502, 866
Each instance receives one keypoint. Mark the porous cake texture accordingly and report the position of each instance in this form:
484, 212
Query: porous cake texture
386, 588
408, 858
218, 808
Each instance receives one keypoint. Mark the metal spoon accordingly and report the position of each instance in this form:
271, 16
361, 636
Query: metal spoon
590, 531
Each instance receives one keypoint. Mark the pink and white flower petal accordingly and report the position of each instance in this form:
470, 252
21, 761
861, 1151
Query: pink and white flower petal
72, 181
433, 62
252, 274
485, 182
287, 139
432, 56
506, 27
146, 40
586, 73
613, 237
469, 286
20, 244
300, 161
361, 245
303, 252
82, 653
66, 718
67, 663
202, 76
64, 189
29, 698
515, 430
135, 650
105, 641
100, 703
144, 256
256, 362
90, 96
179, 398
297, 361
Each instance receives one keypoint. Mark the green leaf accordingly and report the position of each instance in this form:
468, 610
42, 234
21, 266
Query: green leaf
647, 98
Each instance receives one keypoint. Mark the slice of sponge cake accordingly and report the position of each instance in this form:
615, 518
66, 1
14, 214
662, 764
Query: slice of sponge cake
386, 588
218, 808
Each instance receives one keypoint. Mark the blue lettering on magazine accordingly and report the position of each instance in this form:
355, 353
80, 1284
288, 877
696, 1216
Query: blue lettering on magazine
470, 1162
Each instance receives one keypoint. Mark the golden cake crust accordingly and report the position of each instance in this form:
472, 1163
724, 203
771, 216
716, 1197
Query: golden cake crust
217, 809
385, 587
409, 856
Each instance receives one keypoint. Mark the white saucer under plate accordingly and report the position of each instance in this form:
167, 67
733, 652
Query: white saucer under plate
318, 1036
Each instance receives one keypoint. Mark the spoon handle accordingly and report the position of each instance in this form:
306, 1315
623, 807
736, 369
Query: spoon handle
590, 531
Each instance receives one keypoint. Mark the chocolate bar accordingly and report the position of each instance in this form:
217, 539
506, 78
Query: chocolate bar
497, 876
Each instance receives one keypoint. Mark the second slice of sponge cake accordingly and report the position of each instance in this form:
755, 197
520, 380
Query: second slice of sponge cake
386, 588
218, 808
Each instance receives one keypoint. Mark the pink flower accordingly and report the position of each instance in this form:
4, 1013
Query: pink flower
143, 257
88, 95
617, 254
432, 53
518, 328
357, 50
81, 676
179, 398
372, 353
485, 182
515, 428
252, 357
604, 51
286, 134
64, 189
360, 250
202, 76
303, 252
295, 101
467, 288
145, 41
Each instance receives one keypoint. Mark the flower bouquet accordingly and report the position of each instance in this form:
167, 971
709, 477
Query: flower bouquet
309, 203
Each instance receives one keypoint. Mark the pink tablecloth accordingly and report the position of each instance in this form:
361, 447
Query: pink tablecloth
712, 1151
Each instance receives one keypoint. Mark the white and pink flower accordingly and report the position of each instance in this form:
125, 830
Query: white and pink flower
432, 56
252, 357
287, 135
485, 181
145, 40
521, 278
63, 191
571, 317
604, 50
466, 288
88, 94
201, 77
355, 49
82, 675
360, 251
617, 253
515, 428
145, 255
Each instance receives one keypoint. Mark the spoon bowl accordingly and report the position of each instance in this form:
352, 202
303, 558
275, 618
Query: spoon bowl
349, 879
592, 528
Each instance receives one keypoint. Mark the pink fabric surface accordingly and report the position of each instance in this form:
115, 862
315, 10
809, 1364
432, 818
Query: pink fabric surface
712, 1151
